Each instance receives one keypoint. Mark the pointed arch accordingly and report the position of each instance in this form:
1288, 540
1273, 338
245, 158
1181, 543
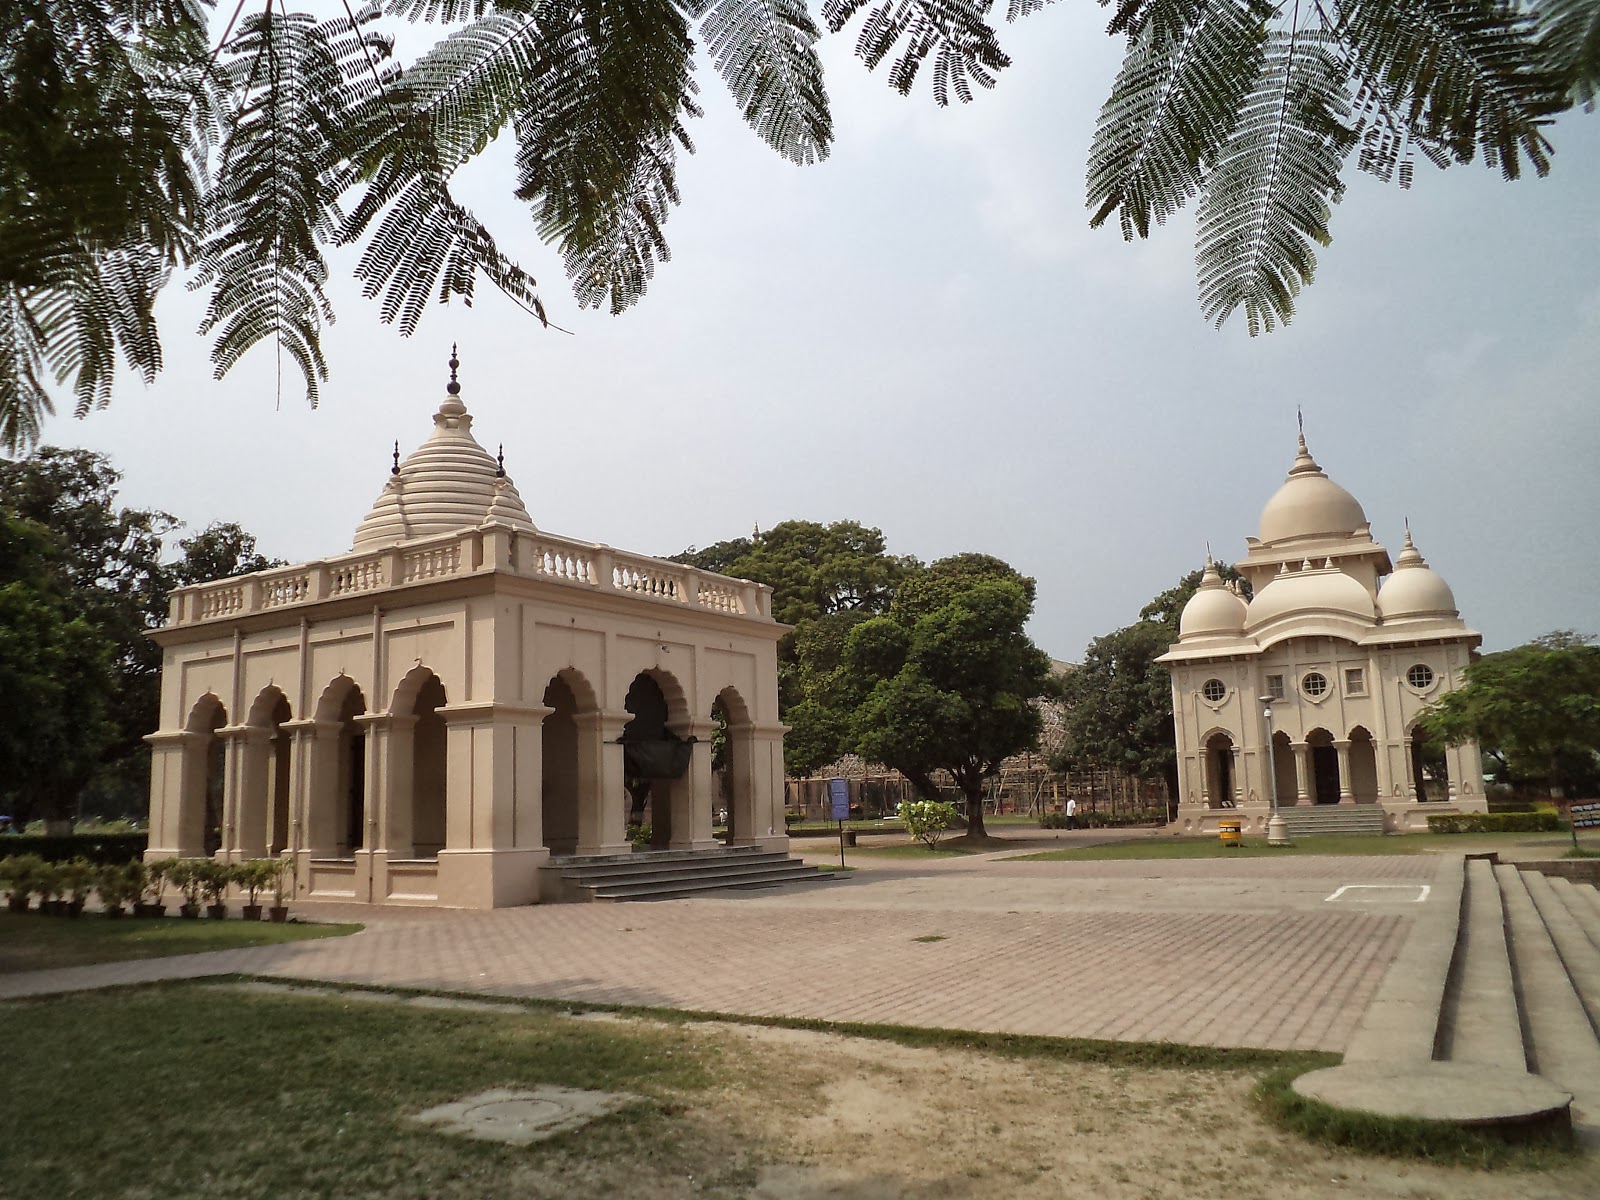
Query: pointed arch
263, 805
1325, 774
1220, 769
201, 785
336, 801
1363, 766
733, 764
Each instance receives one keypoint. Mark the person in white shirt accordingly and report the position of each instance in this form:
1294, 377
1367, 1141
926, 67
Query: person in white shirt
1072, 813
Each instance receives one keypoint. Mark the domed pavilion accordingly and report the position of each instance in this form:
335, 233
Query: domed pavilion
1345, 647
436, 715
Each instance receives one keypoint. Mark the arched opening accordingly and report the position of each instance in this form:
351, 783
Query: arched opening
1219, 771
1324, 767
429, 769
205, 761
264, 784
652, 756
1283, 769
559, 740
732, 766
1363, 766
1430, 775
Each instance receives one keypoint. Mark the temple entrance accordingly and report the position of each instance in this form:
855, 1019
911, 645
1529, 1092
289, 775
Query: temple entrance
652, 756
1283, 773
1430, 775
1219, 771
1363, 767
1324, 767
559, 740
429, 763
264, 784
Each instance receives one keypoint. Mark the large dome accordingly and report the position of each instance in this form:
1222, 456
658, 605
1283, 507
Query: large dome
1311, 591
1309, 505
1213, 611
1414, 590
448, 483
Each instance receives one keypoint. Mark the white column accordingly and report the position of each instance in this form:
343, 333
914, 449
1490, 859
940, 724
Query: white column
1302, 774
1347, 794
602, 799
690, 795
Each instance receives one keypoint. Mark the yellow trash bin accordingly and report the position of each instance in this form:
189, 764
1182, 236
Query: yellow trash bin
1228, 831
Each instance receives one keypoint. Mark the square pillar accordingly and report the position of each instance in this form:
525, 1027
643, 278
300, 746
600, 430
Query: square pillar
249, 798
690, 795
169, 767
602, 798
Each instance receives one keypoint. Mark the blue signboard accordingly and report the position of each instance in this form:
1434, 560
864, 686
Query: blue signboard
838, 800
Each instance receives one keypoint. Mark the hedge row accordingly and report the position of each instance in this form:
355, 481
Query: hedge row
1534, 822
94, 847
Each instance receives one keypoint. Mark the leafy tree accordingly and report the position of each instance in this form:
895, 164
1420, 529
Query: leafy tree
1536, 706
219, 551
1117, 703
130, 146
56, 666
951, 682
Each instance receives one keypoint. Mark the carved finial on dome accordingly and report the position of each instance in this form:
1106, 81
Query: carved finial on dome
454, 386
1410, 556
1304, 464
452, 412
395, 470
1209, 578
500, 462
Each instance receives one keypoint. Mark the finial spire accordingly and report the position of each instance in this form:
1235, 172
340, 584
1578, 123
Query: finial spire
454, 386
500, 462
395, 470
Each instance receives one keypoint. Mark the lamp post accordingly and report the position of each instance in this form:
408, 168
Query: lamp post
1277, 827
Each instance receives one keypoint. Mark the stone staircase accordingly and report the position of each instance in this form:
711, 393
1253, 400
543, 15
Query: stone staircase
669, 874
1309, 821
1491, 1013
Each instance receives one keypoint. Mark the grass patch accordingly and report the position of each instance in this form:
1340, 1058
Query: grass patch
930, 937
831, 868
30, 942
916, 850
1256, 847
1409, 1137
1581, 852
190, 1091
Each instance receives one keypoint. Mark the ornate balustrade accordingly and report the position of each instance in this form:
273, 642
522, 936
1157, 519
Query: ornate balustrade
581, 565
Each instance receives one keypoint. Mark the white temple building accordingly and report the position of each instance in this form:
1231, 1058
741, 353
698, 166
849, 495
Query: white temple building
429, 718
1349, 648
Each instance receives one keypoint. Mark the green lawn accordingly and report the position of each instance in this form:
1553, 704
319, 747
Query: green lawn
915, 850
33, 942
191, 1091
1256, 847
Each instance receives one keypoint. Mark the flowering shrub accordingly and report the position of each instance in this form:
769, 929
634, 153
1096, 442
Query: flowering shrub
928, 820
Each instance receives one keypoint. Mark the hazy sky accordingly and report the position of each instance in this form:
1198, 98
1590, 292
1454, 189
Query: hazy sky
924, 335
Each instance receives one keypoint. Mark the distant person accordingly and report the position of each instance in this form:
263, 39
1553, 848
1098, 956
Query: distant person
1072, 813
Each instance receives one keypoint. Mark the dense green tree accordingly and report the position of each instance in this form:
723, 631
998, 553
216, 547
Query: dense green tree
950, 682
56, 675
1537, 707
219, 551
113, 172
1117, 704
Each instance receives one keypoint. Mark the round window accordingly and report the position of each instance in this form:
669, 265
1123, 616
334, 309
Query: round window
1214, 690
1420, 677
1314, 684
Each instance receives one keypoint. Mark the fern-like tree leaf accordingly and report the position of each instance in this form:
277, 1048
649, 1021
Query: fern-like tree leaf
1570, 43
766, 51
956, 34
1173, 106
1267, 202
1467, 75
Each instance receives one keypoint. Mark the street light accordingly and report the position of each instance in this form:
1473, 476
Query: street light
1277, 827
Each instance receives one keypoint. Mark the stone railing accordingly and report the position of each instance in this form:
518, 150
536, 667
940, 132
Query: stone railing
581, 565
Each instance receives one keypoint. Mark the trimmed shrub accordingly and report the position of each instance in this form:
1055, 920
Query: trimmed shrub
927, 820
95, 847
1511, 822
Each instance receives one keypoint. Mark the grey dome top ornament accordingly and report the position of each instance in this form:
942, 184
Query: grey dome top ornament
454, 386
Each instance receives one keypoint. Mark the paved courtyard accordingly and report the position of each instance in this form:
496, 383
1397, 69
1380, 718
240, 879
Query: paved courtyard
1252, 952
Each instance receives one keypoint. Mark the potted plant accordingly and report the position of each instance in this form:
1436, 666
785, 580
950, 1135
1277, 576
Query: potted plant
253, 877
20, 873
152, 877
214, 880
51, 884
77, 879
115, 885
282, 878
187, 875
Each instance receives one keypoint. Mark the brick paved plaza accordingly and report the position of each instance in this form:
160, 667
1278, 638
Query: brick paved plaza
1214, 952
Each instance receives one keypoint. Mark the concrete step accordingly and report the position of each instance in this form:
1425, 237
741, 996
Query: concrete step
730, 871
646, 864
1329, 819
1589, 894
672, 891
1578, 953
1479, 1022
1586, 915
1561, 1042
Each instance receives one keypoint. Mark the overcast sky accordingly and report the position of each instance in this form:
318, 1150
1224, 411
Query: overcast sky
924, 335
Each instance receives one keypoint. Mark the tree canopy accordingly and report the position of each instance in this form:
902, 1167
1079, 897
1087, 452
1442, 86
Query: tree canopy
1536, 706
136, 142
1117, 704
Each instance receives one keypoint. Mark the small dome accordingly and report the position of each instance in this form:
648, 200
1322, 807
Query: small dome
1213, 611
1414, 590
1311, 591
1309, 504
448, 483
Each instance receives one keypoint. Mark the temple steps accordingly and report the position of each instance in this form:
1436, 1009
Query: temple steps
1491, 1013
667, 875
1329, 819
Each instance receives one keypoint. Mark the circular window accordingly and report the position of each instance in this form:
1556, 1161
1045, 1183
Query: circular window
1420, 677
1314, 684
1214, 690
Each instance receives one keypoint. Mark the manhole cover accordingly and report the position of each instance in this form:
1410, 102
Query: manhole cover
520, 1117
